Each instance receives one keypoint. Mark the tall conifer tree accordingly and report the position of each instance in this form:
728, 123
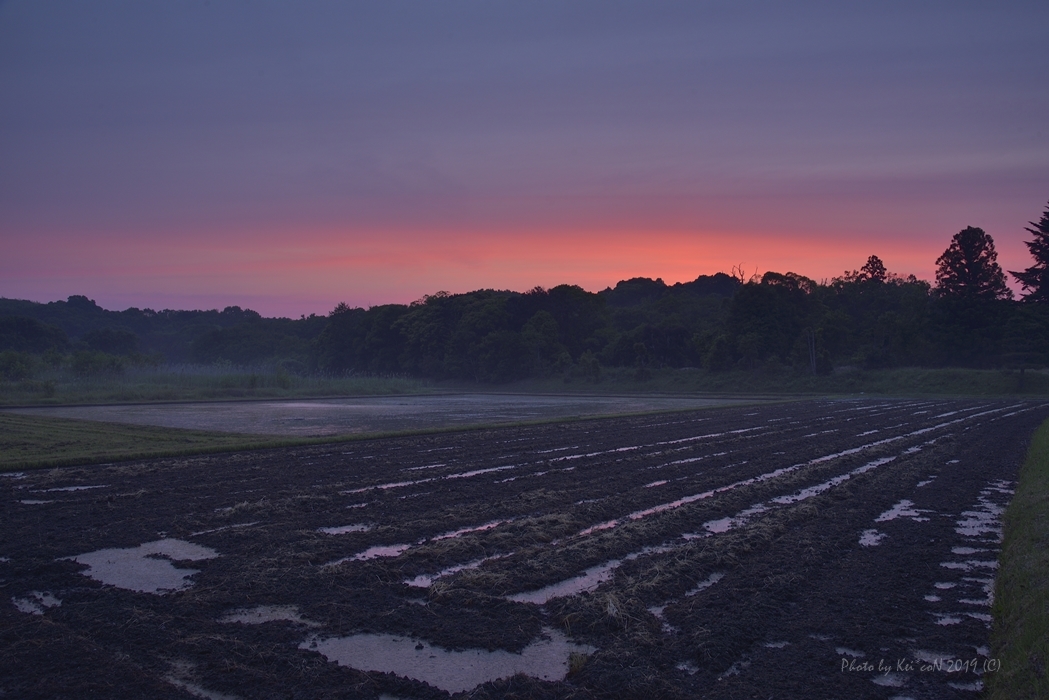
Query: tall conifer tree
1035, 279
969, 268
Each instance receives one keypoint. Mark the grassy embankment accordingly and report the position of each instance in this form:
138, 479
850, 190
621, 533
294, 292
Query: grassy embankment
209, 384
195, 384
33, 441
887, 382
1020, 636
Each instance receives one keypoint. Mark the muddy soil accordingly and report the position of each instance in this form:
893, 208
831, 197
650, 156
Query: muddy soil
811, 549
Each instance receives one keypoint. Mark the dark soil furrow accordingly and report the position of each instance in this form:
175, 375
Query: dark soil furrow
819, 548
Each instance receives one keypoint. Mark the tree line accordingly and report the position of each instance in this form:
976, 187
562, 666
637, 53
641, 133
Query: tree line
869, 318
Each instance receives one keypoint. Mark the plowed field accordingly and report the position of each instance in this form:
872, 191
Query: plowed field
801, 550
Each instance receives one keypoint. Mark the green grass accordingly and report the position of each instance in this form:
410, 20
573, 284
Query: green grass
31, 441
167, 384
1020, 636
781, 380
194, 384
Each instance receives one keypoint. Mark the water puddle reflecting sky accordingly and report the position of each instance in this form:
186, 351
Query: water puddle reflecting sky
451, 671
140, 568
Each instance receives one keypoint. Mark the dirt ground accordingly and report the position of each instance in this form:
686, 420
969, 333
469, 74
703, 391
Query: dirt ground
803, 550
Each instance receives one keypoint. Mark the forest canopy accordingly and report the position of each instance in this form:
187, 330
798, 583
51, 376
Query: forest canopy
866, 318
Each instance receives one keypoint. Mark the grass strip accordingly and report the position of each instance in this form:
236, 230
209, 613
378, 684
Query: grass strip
1020, 636
38, 441
34, 442
166, 386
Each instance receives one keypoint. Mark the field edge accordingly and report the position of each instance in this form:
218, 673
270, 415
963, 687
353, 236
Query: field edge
1020, 633
46, 444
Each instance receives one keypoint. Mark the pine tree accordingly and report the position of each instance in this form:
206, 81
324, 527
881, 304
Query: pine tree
969, 268
1035, 279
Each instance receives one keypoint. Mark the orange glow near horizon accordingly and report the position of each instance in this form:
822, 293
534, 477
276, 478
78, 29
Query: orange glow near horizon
290, 272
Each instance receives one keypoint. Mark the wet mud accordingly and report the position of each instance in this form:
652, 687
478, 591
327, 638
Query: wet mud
809, 549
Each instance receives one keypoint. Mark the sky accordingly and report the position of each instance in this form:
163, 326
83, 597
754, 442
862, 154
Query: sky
287, 156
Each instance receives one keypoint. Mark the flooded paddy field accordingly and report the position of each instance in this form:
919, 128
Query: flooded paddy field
374, 414
793, 550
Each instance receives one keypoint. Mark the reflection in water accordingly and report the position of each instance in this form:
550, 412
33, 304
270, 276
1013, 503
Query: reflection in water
451, 671
139, 569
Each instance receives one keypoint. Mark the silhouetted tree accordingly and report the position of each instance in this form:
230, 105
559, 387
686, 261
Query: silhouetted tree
1035, 279
969, 268
874, 269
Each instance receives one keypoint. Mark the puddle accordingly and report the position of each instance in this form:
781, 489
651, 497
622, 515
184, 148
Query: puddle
344, 529
943, 586
390, 485
451, 671
34, 502
72, 488
36, 603
775, 645
889, 680
426, 580
378, 551
725, 524
416, 482
933, 657
933, 598
139, 568
872, 538
737, 520
597, 528
663, 507
224, 527
428, 466
975, 686
707, 583
267, 613
587, 581
654, 484
478, 472
830, 483
985, 519
969, 565
737, 668
466, 530
845, 651
903, 509
708, 435
945, 620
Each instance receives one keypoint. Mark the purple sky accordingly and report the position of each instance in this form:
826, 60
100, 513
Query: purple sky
287, 156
